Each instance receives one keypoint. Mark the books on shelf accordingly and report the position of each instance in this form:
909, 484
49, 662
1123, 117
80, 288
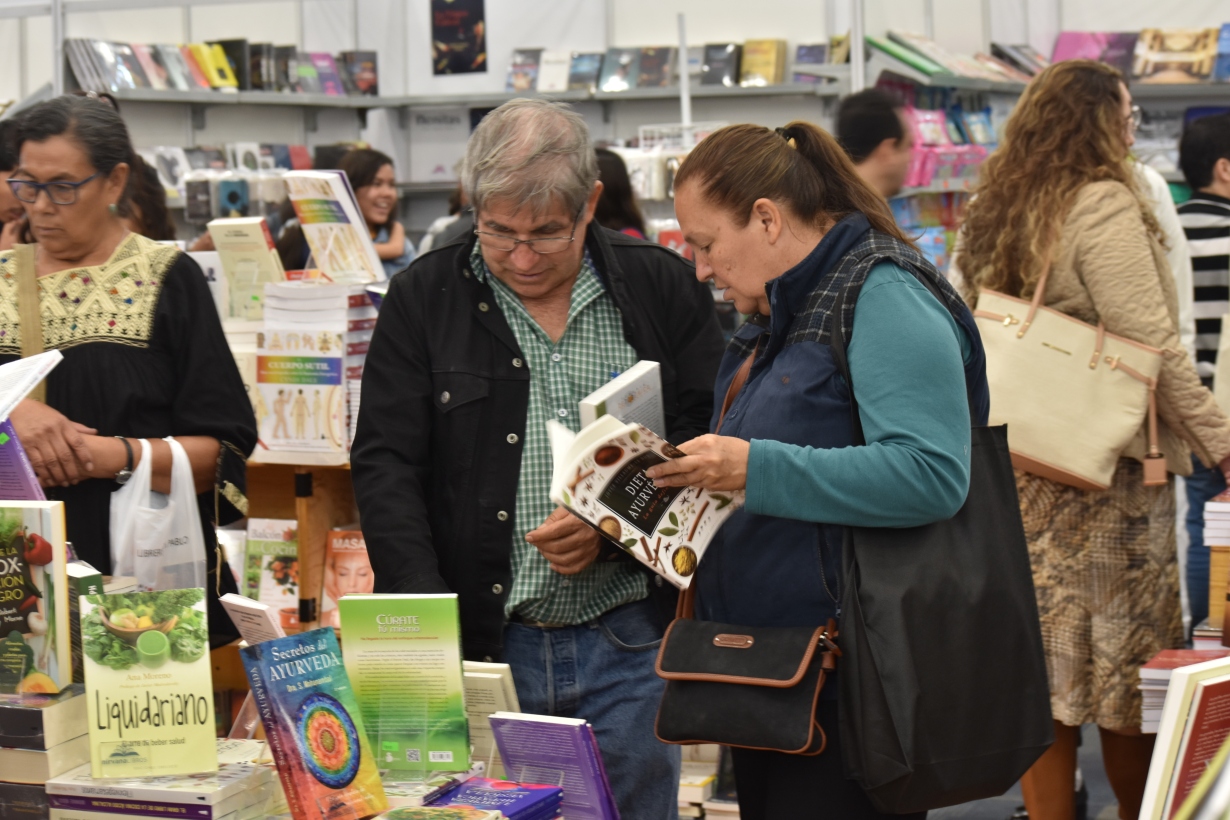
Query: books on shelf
958, 64
1221, 68
364, 70
620, 69
656, 68
1115, 48
489, 688
561, 750
249, 258
403, 653
327, 74
1175, 55
1021, 57
271, 571
584, 70
1181, 694
348, 570
553, 71
721, 64
523, 70
599, 475
148, 683
314, 727
809, 55
512, 800
35, 650
763, 63
238, 54
908, 56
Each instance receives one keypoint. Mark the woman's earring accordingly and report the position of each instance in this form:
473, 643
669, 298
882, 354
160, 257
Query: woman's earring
113, 209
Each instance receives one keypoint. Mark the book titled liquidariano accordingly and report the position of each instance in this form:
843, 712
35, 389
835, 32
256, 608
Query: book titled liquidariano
148, 684
403, 653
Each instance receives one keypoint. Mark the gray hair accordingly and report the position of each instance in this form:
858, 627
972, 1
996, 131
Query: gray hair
533, 152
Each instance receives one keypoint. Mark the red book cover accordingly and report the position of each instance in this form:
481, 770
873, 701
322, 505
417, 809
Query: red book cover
300, 158
1207, 729
194, 68
1169, 659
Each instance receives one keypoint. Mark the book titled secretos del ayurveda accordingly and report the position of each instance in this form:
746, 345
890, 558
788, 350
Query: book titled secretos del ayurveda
148, 683
599, 475
403, 653
314, 727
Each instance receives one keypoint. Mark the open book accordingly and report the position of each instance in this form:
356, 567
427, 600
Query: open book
599, 475
17, 378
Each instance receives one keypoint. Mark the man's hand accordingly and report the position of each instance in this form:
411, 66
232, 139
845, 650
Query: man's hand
566, 541
55, 445
712, 462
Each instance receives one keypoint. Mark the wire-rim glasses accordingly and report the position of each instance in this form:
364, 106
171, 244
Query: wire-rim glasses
543, 245
60, 193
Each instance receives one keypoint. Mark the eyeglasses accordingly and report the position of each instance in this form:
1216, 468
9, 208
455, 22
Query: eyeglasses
60, 193
544, 245
1135, 118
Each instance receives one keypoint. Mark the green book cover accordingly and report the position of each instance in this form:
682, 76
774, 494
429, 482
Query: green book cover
907, 56
403, 655
271, 567
148, 683
35, 655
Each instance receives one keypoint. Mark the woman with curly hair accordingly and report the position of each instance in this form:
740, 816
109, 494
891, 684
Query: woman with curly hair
1060, 192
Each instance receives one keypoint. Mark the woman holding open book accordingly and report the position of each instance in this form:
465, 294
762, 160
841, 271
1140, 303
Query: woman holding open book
144, 352
782, 222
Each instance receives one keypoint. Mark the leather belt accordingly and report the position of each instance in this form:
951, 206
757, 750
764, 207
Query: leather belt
518, 618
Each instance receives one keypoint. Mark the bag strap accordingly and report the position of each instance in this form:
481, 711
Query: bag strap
27, 311
736, 384
1039, 296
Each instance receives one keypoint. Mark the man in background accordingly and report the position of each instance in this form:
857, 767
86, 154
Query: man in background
871, 126
1204, 156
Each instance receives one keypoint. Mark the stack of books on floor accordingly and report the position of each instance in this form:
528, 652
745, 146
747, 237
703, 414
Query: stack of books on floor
41, 736
1155, 678
697, 779
1205, 636
237, 791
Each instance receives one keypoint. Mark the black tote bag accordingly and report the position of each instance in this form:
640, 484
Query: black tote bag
943, 687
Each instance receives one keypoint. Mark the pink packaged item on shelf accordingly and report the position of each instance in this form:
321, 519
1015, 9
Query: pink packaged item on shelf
930, 127
921, 168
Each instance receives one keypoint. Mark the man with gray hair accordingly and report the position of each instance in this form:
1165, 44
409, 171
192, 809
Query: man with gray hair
478, 344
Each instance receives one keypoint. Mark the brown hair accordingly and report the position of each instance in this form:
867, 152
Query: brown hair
800, 167
1067, 131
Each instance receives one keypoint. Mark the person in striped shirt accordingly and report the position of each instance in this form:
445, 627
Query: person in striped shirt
1204, 156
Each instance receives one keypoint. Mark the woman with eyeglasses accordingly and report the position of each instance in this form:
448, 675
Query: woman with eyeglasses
144, 352
1060, 191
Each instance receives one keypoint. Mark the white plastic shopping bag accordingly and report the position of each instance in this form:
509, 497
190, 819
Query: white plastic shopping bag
156, 537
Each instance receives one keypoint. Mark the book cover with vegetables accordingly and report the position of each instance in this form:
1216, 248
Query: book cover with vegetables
314, 727
35, 645
404, 654
148, 683
599, 475
271, 566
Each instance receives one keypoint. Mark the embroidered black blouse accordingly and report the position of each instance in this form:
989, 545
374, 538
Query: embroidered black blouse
144, 357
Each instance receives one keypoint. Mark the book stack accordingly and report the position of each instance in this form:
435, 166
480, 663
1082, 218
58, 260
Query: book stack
1194, 725
696, 782
1217, 539
41, 736
513, 801
1206, 636
237, 791
310, 364
1155, 679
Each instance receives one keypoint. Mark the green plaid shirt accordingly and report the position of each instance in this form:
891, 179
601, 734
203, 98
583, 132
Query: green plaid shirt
590, 352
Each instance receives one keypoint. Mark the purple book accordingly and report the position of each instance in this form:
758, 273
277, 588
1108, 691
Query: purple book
17, 479
516, 801
540, 748
1110, 47
326, 70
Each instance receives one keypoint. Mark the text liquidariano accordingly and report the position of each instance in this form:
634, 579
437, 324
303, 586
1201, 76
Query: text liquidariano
176, 710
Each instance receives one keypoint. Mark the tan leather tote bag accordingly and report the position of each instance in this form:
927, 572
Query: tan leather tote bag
1073, 396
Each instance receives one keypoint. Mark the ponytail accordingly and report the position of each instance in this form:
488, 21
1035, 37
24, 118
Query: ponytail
800, 166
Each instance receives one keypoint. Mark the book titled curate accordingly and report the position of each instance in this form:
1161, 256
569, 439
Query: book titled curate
314, 728
514, 801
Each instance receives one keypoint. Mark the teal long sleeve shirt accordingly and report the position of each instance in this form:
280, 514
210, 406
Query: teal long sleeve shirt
906, 357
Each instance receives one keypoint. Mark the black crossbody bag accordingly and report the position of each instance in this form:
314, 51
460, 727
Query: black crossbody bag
751, 687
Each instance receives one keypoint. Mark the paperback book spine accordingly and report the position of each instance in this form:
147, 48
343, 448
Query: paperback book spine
273, 734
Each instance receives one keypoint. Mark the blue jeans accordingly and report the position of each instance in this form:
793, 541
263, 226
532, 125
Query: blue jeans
603, 671
1202, 485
